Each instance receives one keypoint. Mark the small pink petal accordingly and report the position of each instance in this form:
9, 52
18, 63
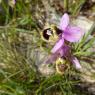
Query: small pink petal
75, 62
61, 51
64, 22
73, 34
64, 51
51, 58
58, 45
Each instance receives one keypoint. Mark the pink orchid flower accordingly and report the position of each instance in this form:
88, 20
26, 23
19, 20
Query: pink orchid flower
70, 34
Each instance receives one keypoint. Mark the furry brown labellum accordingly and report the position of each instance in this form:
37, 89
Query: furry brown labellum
51, 34
61, 66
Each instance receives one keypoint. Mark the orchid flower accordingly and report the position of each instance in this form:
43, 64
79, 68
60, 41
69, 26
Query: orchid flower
69, 33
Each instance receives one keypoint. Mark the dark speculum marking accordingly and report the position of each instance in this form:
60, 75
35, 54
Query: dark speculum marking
58, 31
45, 33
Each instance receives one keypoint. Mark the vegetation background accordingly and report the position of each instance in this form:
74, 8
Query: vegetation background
20, 43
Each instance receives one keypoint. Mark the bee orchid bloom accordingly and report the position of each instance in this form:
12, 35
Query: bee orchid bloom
70, 34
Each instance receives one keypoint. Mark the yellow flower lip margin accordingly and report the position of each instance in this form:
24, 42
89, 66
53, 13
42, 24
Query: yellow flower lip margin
53, 38
61, 66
